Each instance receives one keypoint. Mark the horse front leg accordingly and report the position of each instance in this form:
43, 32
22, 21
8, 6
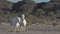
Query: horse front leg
17, 28
25, 29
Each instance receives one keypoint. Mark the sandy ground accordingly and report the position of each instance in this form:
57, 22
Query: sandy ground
32, 29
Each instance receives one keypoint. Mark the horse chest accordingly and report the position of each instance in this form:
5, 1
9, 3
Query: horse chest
24, 22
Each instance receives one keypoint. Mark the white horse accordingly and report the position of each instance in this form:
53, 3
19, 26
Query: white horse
18, 27
24, 21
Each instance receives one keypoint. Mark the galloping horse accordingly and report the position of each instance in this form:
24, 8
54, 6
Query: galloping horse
21, 24
18, 27
24, 21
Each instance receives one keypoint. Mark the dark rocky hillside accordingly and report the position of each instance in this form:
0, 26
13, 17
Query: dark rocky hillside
45, 12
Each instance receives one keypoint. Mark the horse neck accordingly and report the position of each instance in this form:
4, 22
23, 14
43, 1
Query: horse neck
23, 16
